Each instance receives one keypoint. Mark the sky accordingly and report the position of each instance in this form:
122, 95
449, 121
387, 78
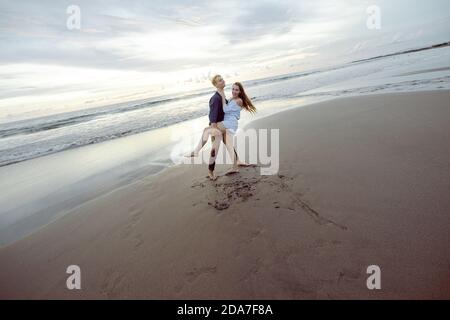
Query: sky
128, 50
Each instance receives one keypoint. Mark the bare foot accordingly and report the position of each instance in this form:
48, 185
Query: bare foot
244, 164
232, 171
212, 176
191, 155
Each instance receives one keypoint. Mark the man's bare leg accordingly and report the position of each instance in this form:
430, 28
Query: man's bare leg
216, 137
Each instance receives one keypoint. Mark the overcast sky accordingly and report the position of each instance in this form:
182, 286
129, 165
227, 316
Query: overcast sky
134, 49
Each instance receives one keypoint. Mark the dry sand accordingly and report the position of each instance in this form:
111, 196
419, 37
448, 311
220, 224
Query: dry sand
363, 181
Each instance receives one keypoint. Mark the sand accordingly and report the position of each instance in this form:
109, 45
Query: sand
363, 181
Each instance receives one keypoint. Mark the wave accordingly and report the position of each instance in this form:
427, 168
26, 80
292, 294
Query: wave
44, 123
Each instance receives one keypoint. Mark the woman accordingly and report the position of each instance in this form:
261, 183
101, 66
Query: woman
232, 111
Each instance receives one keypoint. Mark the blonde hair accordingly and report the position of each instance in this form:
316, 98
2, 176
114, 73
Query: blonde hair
214, 79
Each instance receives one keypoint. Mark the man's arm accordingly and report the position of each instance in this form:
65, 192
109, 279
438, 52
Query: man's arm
214, 107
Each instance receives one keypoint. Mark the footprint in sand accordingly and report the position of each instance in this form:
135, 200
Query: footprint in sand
138, 241
112, 285
348, 275
230, 189
227, 190
129, 230
192, 275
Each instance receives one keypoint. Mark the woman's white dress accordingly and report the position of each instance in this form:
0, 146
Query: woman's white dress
232, 115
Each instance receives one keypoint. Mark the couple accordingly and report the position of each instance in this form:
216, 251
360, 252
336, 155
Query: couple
223, 123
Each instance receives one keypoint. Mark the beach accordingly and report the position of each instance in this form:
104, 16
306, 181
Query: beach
362, 181
53, 161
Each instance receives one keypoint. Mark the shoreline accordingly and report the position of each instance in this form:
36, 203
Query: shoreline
92, 170
92, 175
364, 182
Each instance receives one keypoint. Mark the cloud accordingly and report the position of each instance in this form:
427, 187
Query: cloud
36, 32
140, 42
253, 20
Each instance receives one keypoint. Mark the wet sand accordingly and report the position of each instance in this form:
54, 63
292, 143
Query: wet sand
362, 181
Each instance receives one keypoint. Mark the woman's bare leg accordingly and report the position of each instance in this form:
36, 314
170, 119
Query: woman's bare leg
204, 139
229, 143
233, 154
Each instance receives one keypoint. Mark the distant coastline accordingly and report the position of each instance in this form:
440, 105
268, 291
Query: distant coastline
435, 46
